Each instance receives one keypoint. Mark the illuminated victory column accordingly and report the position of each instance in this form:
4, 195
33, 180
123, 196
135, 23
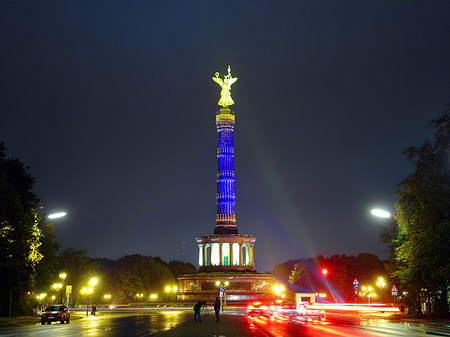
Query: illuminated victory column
226, 249
226, 197
225, 257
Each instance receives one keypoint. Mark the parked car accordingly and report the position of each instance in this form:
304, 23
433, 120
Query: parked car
54, 313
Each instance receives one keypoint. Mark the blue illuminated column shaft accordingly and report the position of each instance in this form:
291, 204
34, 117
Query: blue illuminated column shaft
226, 198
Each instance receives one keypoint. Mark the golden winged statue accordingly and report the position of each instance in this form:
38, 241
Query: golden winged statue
225, 94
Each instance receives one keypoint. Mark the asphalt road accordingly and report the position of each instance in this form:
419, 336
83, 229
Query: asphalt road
169, 323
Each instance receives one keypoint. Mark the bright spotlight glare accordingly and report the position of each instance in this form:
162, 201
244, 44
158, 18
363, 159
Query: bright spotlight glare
380, 213
57, 215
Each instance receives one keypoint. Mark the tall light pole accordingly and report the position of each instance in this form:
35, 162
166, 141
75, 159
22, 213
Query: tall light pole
62, 276
58, 287
87, 292
169, 290
222, 293
381, 285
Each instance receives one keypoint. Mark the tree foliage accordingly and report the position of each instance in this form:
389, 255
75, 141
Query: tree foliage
122, 278
422, 243
19, 234
46, 269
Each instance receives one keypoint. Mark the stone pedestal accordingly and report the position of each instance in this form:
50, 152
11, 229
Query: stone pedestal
241, 286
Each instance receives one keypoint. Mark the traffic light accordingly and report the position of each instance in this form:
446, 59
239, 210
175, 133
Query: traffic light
324, 272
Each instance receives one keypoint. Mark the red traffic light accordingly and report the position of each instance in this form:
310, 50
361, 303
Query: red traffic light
325, 272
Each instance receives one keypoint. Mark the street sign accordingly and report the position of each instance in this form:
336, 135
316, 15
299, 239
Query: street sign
221, 292
355, 281
394, 290
355, 286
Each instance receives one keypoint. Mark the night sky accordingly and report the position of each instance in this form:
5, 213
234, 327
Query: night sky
112, 106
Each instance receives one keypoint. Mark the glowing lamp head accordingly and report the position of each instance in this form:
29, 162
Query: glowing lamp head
57, 215
380, 213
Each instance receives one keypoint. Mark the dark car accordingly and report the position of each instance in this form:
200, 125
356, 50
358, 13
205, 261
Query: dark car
55, 313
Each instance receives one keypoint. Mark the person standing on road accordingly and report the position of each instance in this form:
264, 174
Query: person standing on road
197, 309
217, 309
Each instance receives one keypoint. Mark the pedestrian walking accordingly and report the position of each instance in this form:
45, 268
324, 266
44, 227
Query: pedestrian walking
217, 309
197, 309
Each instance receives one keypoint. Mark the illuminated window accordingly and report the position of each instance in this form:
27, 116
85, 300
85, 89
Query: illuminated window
226, 254
235, 254
215, 255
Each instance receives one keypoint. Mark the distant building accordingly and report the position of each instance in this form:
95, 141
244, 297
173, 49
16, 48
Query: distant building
226, 257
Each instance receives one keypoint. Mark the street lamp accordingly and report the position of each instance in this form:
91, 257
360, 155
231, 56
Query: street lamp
62, 276
169, 290
381, 285
40, 298
279, 290
222, 293
93, 281
58, 287
57, 215
87, 292
380, 213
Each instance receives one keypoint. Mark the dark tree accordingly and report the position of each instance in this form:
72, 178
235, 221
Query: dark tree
422, 241
78, 267
46, 269
19, 235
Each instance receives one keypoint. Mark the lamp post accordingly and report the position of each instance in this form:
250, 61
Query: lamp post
381, 285
279, 290
87, 292
169, 290
40, 298
62, 276
222, 293
107, 297
58, 287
